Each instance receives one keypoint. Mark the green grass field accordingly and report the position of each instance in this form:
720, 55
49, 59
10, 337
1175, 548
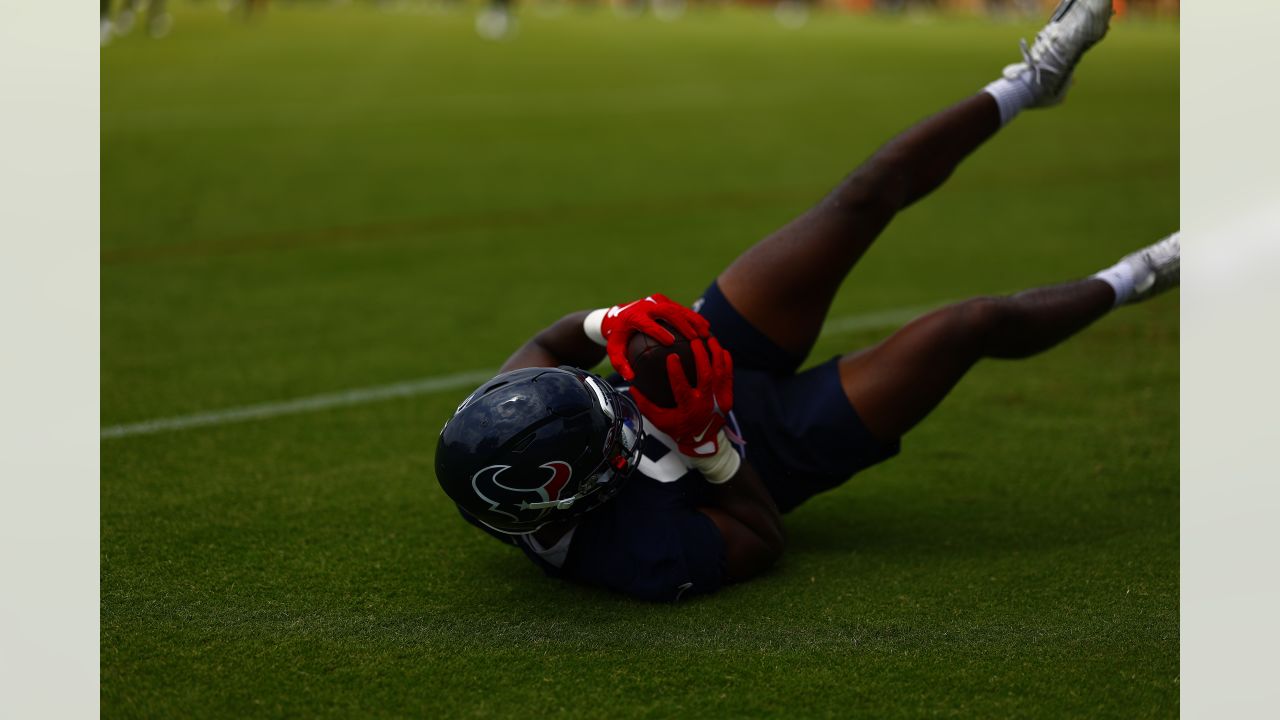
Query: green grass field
341, 198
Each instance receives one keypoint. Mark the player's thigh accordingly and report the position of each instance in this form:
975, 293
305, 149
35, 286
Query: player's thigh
897, 383
751, 349
785, 283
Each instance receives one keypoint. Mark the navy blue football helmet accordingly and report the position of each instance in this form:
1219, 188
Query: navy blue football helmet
537, 445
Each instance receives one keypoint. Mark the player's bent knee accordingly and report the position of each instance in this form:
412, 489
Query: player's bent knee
984, 315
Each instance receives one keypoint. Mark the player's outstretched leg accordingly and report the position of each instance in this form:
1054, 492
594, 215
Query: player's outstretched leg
895, 384
784, 284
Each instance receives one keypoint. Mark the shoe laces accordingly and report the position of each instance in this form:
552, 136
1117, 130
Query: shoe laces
1050, 59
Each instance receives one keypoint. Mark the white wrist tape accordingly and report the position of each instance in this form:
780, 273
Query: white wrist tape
592, 324
722, 466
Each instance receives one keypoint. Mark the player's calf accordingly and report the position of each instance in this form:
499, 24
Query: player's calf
1030, 322
1033, 321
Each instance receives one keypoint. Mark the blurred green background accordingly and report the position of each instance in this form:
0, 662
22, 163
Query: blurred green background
328, 198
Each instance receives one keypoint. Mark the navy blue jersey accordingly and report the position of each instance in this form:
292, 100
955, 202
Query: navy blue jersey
649, 542
802, 437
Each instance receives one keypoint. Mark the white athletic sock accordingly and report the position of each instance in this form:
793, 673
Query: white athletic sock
1120, 278
1013, 96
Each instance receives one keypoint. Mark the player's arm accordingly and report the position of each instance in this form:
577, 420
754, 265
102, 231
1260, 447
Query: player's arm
740, 505
564, 343
748, 520
581, 339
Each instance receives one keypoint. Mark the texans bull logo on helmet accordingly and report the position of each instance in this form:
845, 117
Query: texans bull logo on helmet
522, 504
538, 445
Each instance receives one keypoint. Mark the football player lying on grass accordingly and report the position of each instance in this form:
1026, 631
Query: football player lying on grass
665, 491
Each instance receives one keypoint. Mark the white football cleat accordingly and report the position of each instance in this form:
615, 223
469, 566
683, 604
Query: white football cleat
1076, 25
1155, 268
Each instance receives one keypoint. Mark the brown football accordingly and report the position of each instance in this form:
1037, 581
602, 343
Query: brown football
648, 358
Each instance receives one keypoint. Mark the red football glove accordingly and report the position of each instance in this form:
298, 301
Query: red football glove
620, 323
695, 422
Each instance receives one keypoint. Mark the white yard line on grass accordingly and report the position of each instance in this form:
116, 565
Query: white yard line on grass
359, 396
425, 386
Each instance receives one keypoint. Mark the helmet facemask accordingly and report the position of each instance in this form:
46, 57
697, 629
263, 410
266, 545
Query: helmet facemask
621, 449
